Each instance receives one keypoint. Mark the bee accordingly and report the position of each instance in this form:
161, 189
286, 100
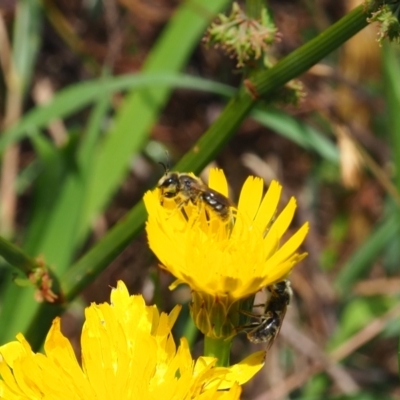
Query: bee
267, 328
185, 188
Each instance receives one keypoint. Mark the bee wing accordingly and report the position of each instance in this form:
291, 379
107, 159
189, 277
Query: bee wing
196, 184
272, 338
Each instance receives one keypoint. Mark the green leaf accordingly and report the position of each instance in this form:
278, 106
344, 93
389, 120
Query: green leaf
363, 258
26, 39
298, 132
75, 97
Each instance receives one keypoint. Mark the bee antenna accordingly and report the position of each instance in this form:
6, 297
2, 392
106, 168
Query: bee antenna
167, 165
168, 159
164, 166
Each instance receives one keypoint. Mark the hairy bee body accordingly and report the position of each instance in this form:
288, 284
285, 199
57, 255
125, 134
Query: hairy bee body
185, 188
267, 328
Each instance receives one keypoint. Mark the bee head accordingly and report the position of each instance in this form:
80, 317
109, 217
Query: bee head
283, 290
169, 184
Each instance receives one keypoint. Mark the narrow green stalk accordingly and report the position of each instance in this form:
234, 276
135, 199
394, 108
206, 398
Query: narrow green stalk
190, 332
218, 348
300, 60
33, 269
87, 268
16, 257
390, 66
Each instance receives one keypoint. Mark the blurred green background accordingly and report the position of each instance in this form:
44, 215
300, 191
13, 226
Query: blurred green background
93, 93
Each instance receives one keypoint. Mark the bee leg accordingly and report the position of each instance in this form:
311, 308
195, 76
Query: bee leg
270, 288
184, 214
200, 208
247, 327
181, 208
251, 325
252, 315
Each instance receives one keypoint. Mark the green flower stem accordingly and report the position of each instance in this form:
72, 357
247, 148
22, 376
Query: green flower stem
86, 269
190, 332
208, 146
16, 257
300, 60
218, 348
390, 67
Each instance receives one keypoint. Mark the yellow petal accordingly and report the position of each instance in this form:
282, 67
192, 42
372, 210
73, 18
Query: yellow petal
291, 246
250, 197
284, 219
217, 181
243, 371
268, 206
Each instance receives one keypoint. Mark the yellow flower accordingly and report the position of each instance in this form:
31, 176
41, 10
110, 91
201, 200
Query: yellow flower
127, 353
236, 262
225, 262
